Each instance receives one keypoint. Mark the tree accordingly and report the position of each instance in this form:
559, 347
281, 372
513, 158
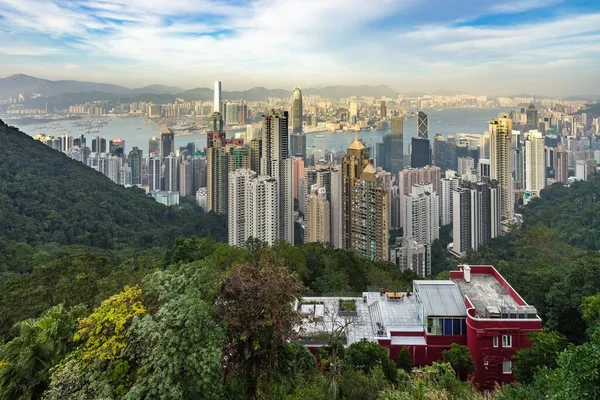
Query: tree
365, 356
255, 302
545, 347
404, 361
25, 361
459, 357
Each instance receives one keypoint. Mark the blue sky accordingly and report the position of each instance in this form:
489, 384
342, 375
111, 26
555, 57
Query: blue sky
485, 47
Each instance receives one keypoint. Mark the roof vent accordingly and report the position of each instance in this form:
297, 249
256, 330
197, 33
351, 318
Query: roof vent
467, 273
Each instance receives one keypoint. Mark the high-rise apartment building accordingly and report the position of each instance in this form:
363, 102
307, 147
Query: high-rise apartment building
422, 125
449, 183
445, 152
535, 165
253, 208
421, 214
408, 254
154, 172
397, 145
353, 164
382, 110
135, 160
412, 176
476, 215
167, 143
217, 170
199, 168
171, 174
318, 218
369, 228
275, 162
186, 178
561, 162
328, 177
500, 144
465, 165
297, 138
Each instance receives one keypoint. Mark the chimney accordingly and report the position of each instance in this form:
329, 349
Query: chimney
467, 273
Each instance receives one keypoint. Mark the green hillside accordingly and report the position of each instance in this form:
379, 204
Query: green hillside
47, 197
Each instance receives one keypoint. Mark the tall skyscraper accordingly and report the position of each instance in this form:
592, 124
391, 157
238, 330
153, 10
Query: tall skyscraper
298, 140
353, 164
561, 163
382, 110
186, 178
217, 170
167, 142
154, 146
476, 215
117, 147
253, 208
135, 160
408, 254
275, 162
154, 172
532, 117
215, 123
171, 174
318, 218
412, 176
420, 154
500, 141
535, 165
199, 167
421, 214
217, 97
422, 125
397, 148
449, 183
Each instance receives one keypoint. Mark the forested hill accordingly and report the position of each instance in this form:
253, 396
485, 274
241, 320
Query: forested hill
47, 197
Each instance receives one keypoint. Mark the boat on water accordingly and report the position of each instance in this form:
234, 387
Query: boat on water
319, 136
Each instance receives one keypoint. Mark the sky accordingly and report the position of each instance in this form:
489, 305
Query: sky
544, 47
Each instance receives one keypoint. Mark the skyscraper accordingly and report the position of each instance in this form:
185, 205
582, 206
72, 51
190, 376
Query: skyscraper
275, 162
186, 178
532, 117
382, 110
167, 142
298, 140
422, 125
561, 169
500, 141
171, 174
326, 176
535, 165
412, 176
154, 146
449, 183
420, 154
217, 170
397, 148
421, 214
217, 97
134, 159
353, 164
154, 169
215, 123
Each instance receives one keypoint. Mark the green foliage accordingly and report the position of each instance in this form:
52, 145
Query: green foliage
48, 197
361, 385
404, 360
545, 347
347, 305
459, 357
365, 356
26, 360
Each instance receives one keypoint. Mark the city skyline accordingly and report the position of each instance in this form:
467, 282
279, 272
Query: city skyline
478, 47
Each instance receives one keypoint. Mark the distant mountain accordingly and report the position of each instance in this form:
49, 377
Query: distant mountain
196, 94
415, 94
338, 92
19, 83
444, 92
585, 97
158, 89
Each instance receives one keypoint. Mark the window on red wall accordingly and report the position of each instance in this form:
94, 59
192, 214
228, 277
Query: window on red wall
506, 341
507, 367
495, 340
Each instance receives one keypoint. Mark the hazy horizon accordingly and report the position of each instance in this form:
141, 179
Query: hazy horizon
547, 48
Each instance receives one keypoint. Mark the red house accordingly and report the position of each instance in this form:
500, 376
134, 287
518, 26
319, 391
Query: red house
476, 307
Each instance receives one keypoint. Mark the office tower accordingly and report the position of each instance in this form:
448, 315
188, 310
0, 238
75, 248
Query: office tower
561, 170
167, 143
171, 174
412, 176
276, 163
243, 113
397, 145
382, 110
154, 172
421, 214
449, 183
484, 146
252, 208
584, 169
117, 147
233, 113
199, 168
297, 138
297, 178
500, 142
154, 146
186, 178
476, 215
215, 123
135, 160
384, 153
483, 169
217, 98
65, 142
353, 164
420, 154
532, 117
98, 145
422, 125
445, 153
369, 225
79, 142
465, 164
408, 254
326, 176
125, 175
318, 218
535, 165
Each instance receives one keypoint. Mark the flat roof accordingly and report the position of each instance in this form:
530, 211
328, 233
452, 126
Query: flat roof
484, 290
440, 298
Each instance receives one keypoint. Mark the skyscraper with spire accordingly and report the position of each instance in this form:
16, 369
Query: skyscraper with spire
298, 140
422, 125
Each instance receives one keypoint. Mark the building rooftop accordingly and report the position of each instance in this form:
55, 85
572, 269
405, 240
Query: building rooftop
440, 298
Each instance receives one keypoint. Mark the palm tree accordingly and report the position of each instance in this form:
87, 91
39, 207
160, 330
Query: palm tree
25, 361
